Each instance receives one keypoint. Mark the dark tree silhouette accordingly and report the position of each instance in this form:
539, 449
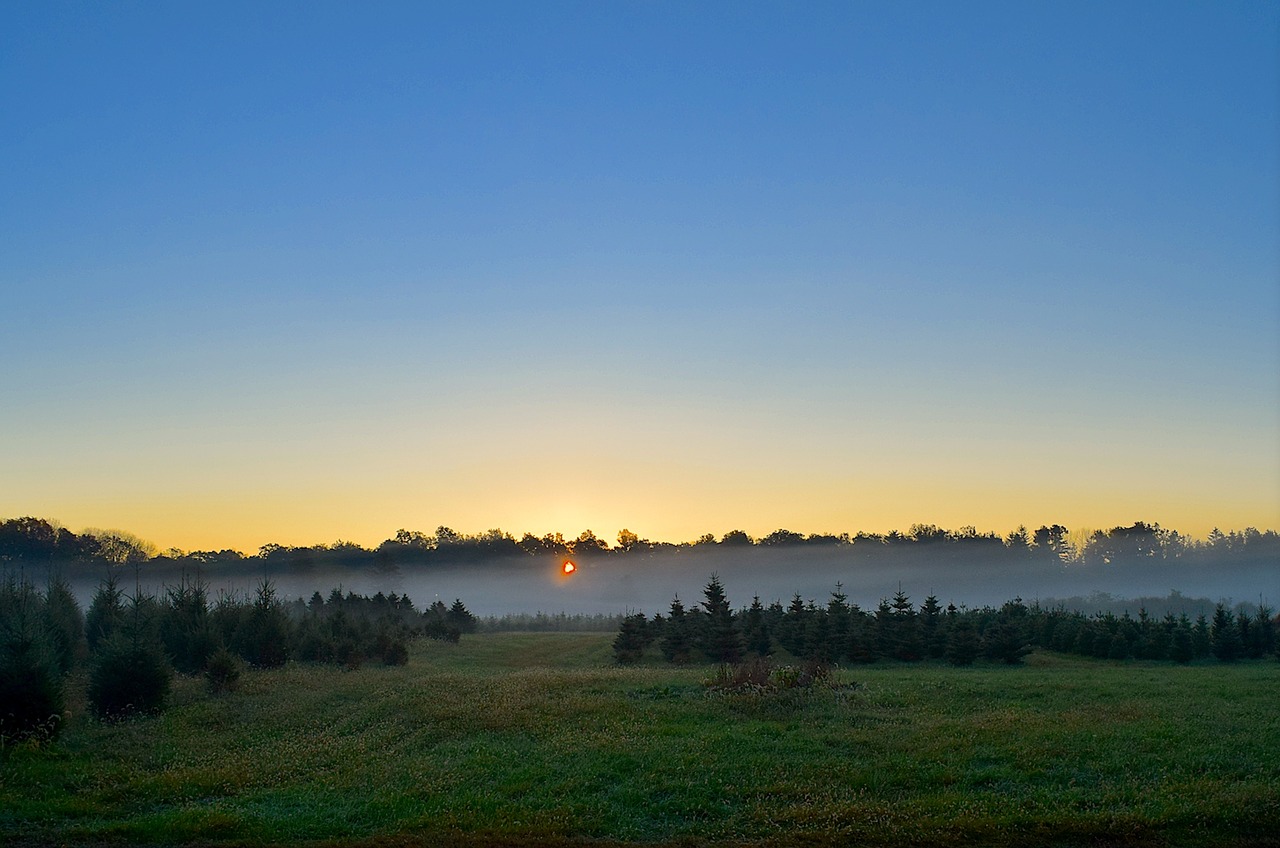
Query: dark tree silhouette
719, 637
677, 634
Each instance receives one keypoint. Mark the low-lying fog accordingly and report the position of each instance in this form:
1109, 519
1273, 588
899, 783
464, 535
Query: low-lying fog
620, 584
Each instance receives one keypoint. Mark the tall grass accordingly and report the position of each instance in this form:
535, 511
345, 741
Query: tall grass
528, 738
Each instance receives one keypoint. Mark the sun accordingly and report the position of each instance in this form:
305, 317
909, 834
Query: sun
568, 567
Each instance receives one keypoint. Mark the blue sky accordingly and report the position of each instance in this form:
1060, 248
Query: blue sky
290, 272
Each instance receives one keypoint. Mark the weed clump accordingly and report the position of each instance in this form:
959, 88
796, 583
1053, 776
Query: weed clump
760, 686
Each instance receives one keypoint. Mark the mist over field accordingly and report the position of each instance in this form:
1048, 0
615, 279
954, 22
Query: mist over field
613, 585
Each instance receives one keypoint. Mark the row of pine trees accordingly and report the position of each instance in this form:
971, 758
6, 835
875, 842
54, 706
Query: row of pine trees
842, 632
132, 644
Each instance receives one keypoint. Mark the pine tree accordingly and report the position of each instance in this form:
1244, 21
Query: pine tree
962, 642
839, 620
632, 638
1224, 635
129, 672
884, 630
1004, 641
1181, 650
1201, 639
791, 630
931, 634
460, 617
106, 612
720, 639
65, 623
1265, 632
185, 627
31, 684
754, 630
263, 637
677, 634
906, 633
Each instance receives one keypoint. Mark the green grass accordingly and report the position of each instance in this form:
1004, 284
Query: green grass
535, 738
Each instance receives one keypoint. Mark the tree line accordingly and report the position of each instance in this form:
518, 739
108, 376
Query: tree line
30, 540
841, 632
132, 645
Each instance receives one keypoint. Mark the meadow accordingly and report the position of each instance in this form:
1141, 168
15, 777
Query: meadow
524, 739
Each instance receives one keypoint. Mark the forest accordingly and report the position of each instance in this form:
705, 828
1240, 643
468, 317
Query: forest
39, 540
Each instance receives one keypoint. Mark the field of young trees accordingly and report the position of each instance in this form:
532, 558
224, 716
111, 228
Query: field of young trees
365, 719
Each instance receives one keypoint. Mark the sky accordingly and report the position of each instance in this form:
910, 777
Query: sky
298, 272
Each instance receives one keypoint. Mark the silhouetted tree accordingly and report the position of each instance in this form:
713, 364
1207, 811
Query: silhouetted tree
719, 636
755, 631
962, 642
677, 634
633, 637
460, 617
1181, 649
129, 672
263, 635
1225, 635
65, 623
792, 629
31, 684
932, 636
185, 629
106, 612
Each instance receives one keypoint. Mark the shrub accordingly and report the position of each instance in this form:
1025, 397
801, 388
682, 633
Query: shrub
397, 653
222, 672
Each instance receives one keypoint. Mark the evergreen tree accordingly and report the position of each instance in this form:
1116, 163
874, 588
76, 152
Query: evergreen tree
1224, 635
884, 630
129, 672
754, 630
720, 639
1201, 639
1003, 641
677, 634
1119, 647
1264, 631
31, 683
106, 612
1180, 649
962, 642
262, 637
906, 632
839, 620
931, 633
817, 636
185, 627
460, 617
65, 623
632, 638
791, 630
1249, 634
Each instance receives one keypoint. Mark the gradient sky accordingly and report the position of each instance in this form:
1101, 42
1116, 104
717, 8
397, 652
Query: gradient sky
294, 272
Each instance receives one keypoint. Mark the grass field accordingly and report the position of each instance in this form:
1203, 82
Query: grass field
537, 739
